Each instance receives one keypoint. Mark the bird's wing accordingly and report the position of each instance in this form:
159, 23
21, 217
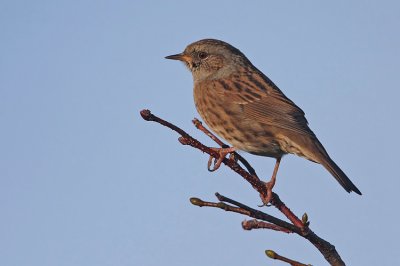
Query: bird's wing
262, 101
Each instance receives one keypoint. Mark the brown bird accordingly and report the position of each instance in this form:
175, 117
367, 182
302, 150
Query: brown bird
242, 105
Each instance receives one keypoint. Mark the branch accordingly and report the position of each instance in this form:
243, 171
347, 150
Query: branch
273, 255
326, 249
186, 139
256, 224
297, 226
245, 210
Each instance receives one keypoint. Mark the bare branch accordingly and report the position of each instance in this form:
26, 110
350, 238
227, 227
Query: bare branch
245, 210
273, 255
256, 224
297, 226
276, 201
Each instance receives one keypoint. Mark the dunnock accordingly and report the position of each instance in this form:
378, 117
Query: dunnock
242, 105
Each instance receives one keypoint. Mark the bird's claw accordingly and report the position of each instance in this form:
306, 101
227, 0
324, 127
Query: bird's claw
267, 199
217, 162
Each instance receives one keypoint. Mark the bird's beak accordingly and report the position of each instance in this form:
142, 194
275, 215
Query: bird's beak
180, 57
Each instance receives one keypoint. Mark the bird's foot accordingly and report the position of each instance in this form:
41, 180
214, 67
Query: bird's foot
217, 162
270, 185
267, 198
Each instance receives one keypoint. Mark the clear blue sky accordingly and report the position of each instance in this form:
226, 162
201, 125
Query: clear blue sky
85, 181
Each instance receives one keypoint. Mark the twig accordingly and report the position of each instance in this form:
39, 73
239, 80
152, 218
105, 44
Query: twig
276, 201
326, 249
256, 224
186, 139
273, 255
297, 226
245, 210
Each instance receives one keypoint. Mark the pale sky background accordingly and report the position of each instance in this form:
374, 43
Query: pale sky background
85, 181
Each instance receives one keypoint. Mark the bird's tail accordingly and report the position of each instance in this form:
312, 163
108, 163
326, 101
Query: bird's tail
340, 176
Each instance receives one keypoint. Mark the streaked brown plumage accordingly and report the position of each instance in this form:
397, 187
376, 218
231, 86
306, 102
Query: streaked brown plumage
242, 105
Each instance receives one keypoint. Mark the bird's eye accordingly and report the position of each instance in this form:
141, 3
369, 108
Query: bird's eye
203, 55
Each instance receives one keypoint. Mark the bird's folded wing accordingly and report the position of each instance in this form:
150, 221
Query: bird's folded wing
262, 101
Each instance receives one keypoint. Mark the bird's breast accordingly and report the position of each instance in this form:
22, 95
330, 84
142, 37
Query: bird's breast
228, 121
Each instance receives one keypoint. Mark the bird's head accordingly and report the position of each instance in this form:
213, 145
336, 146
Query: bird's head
211, 59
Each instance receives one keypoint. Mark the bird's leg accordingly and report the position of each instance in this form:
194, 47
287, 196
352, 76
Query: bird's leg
217, 162
271, 183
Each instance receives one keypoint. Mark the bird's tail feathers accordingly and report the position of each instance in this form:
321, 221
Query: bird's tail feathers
339, 175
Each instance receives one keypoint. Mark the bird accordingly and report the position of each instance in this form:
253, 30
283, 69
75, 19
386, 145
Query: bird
242, 105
